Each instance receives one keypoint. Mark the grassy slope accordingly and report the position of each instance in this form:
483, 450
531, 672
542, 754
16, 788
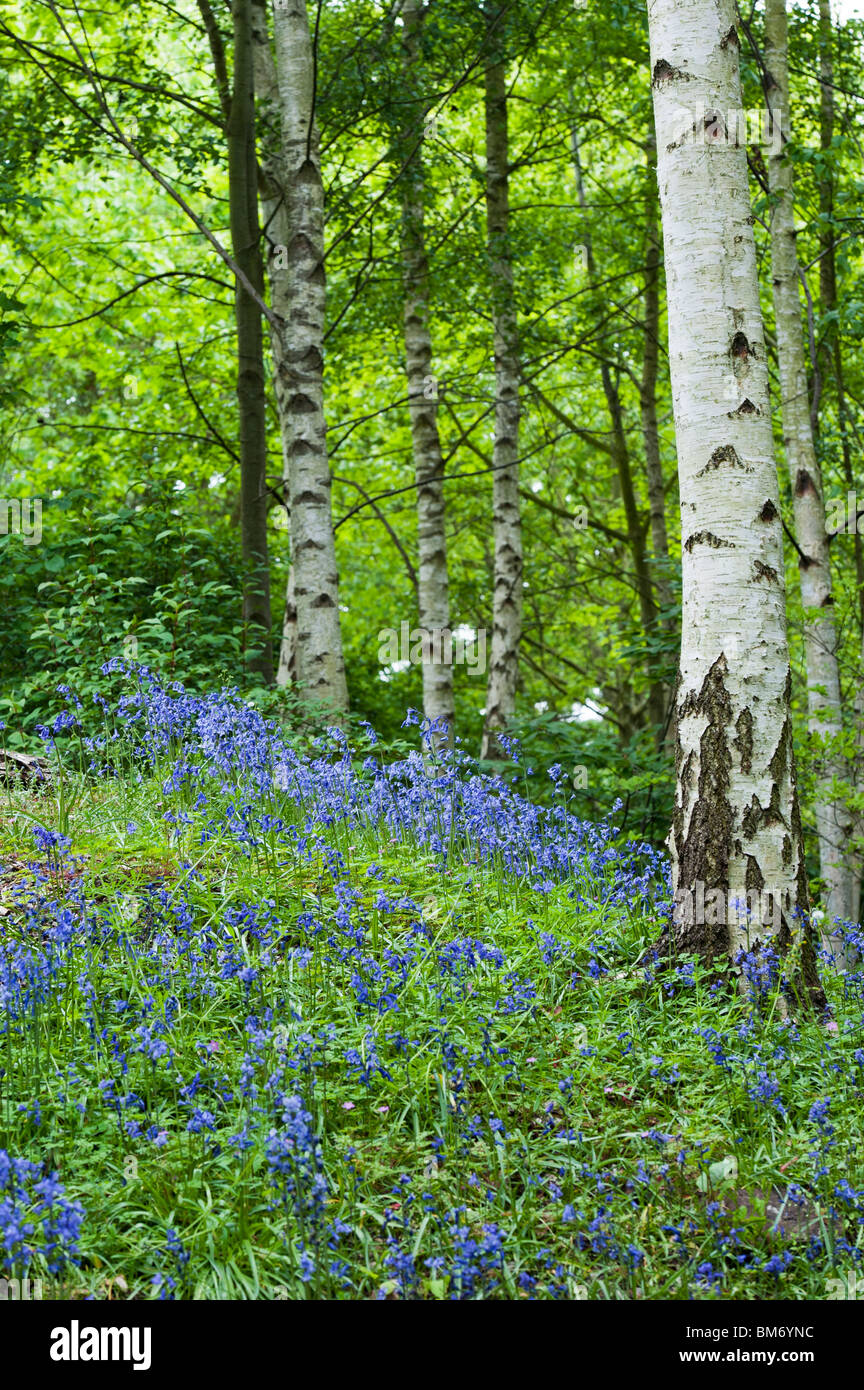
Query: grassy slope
408, 1051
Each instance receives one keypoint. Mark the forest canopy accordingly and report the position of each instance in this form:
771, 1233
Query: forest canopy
119, 382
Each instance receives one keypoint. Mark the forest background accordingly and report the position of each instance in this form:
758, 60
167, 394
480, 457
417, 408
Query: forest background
119, 388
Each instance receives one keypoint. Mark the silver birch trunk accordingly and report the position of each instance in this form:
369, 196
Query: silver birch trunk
507, 525
825, 720
432, 580
320, 665
736, 824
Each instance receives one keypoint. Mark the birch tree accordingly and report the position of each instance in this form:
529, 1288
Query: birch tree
737, 824
507, 526
432, 581
320, 665
833, 821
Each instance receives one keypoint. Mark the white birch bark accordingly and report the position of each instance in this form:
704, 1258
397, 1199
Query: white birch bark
736, 825
275, 229
507, 525
432, 580
320, 665
825, 721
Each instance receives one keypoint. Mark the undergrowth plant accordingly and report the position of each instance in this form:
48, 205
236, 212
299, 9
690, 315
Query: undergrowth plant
322, 1022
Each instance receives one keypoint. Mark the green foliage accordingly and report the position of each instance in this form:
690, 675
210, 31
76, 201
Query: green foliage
139, 583
117, 395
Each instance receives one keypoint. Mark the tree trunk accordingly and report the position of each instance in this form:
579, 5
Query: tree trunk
828, 268
237, 101
286, 673
320, 665
657, 705
648, 397
737, 824
432, 585
507, 525
833, 821
271, 187
833, 347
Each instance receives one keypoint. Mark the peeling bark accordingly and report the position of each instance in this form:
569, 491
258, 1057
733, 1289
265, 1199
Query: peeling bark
736, 820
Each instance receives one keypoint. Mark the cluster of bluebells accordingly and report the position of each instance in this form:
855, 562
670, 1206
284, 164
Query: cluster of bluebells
216, 742
165, 1284
761, 970
296, 1164
37, 1222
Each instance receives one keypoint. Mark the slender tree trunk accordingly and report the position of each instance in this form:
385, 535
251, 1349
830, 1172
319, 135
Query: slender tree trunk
648, 396
828, 266
621, 454
238, 107
320, 665
834, 349
286, 673
737, 823
507, 523
651, 437
432, 585
647, 606
833, 821
271, 184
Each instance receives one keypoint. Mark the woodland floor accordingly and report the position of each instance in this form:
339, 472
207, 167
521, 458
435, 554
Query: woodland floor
309, 1025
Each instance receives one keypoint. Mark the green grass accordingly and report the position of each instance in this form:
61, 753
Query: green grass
538, 1127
